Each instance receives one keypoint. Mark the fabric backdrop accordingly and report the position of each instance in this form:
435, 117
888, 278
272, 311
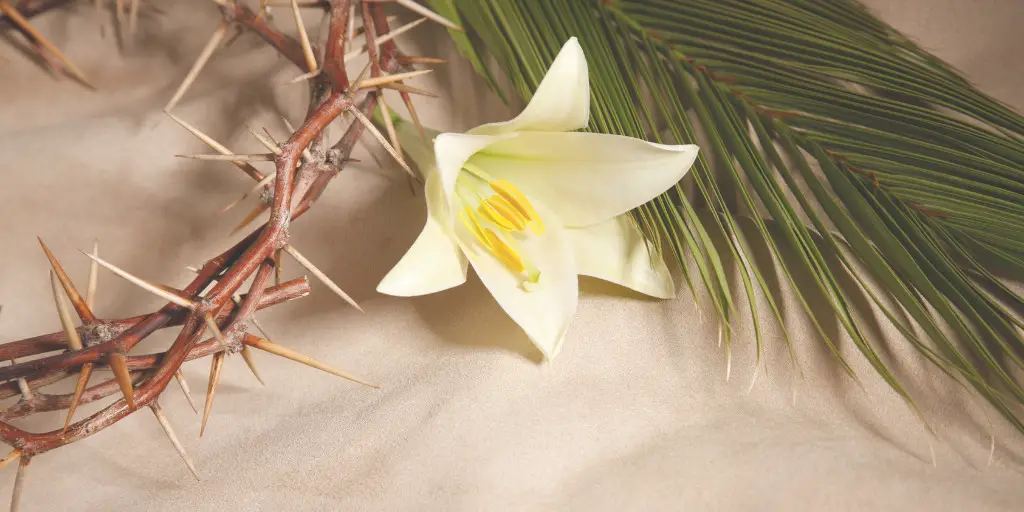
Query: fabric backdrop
636, 413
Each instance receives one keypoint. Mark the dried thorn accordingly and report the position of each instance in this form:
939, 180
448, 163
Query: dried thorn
22, 22
427, 13
305, 76
380, 138
412, 113
184, 389
385, 38
83, 381
400, 87
19, 483
387, 79
389, 125
76, 299
94, 275
258, 157
362, 30
307, 48
262, 183
124, 378
212, 324
215, 367
423, 60
247, 357
352, 86
278, 267
218, 147
263, 140
259, 209
215, 40
287, 353
74, 340
11, 457
145, 285
166, 425
321, 276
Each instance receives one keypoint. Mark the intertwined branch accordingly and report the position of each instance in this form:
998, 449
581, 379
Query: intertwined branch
210, 306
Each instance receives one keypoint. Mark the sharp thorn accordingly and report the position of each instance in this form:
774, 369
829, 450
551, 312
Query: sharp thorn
359, 78
11, 457
305, 76
215, 40
307, 48
263, 140
383, 141
259, 157
184, 389
19, 483
262, 183
212, 324
400, 87
66, 322
278, 267
385, 38
247, 357
217, 364
94, 275
287, 353
15, 16
124, 378
389, 125
387, 79
83, 381
259, 209
69, 288
166, 425
218, 147
415, 117
321, 276
424, 60
145, 285
427, 13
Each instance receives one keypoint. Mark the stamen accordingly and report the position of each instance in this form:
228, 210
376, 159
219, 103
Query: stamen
503, 252
489, 213
516, 198
507, 211
468, 217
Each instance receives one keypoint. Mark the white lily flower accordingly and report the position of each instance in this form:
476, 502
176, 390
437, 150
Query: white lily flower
531, 204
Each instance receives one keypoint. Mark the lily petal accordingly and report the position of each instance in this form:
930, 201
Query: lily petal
435, 261
561, 102
419, 149
451, 152
586, 178
615, 251
545, 311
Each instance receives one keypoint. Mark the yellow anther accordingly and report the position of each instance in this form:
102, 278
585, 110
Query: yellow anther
468, 218
489, 213
507, 211
518, 200
505, 254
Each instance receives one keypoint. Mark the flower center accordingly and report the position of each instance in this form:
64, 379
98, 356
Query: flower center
502, 217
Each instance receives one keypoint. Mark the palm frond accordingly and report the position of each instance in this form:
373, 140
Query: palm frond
838, 137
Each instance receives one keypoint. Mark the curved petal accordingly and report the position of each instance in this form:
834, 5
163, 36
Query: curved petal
561, 102
418, 147
545, 311
451, 150
615, 251
435, 261
586, 178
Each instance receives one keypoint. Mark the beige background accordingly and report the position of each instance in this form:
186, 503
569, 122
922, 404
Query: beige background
636, 413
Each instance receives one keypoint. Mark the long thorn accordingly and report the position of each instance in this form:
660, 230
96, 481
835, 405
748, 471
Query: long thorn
211, 46
11, 457
145, 285
94, 276
66, 322
166, 425
307, 48
247, 357
287, 353
412, 112
387, 79
19, 483
218, 147
83, 381
124, 379
427, 13
256, 212
76, 298
383, 141
389, 125
411, 59
216, 366
320, 275
400, 87
259, 157
278, 267
262, 183
19, 20
212, 324
385, 38
184, 389
263, 140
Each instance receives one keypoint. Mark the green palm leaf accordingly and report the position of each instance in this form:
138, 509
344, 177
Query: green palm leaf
843, 143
